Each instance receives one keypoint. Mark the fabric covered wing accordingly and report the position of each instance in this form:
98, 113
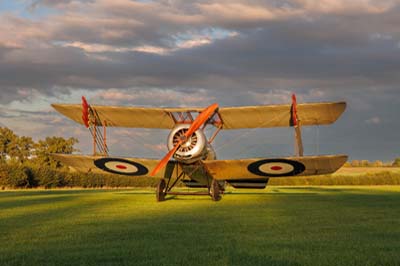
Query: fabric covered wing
280, 115
122, 166
232, 117
267, 168
114, 116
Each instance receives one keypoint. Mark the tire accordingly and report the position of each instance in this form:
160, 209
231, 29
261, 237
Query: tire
160, 193
215, 190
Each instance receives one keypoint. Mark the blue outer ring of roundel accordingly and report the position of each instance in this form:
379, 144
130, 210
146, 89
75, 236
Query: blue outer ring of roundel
101, 164
298, 167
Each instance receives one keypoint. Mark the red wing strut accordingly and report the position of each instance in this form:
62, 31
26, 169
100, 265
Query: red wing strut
294, 110
85, 112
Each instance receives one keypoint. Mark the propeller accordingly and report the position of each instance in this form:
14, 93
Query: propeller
197, 123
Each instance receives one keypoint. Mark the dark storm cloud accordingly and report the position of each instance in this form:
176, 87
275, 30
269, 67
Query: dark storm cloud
273, 46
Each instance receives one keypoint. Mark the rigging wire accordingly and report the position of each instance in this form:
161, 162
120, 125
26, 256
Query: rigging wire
228, 142
136, 138
242, 151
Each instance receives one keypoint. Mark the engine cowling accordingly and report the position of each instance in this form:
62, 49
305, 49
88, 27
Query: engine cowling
193, 149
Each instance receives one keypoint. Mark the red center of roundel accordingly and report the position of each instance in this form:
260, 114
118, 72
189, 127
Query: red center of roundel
276, 168
122, 167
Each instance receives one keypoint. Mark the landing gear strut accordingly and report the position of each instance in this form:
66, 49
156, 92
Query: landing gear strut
160, 191
215, 188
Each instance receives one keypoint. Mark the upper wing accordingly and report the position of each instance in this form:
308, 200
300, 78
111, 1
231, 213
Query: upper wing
123, 166
229, 117
113, 116
280, 115
266, 168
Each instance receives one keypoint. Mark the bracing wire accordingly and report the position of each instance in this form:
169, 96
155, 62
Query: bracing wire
140, 140
234, 140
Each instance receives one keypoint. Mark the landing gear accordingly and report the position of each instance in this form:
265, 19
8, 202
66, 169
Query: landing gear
215, 190
160, 191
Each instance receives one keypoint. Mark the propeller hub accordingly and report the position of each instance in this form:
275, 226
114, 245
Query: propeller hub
190, 148
184, 139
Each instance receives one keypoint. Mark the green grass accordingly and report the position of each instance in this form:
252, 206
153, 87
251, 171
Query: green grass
276, 226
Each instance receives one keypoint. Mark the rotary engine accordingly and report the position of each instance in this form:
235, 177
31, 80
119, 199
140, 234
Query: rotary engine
195, 147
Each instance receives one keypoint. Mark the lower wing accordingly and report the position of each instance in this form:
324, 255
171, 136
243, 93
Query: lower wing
121, 166
266, 168
218, 169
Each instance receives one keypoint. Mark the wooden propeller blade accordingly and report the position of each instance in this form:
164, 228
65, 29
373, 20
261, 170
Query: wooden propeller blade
165, 160
200, 120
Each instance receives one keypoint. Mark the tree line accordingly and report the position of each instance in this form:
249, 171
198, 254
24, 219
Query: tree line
19, 150
25, 163
377, 163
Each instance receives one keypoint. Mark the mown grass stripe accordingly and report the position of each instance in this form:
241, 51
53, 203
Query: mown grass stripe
276, 226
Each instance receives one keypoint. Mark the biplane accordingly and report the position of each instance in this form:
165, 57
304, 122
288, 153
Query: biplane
191, 158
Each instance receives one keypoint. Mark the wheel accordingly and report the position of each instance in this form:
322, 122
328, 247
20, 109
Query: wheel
160, 194
215, 190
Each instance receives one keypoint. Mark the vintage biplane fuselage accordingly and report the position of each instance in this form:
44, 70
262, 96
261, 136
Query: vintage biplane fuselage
191, 158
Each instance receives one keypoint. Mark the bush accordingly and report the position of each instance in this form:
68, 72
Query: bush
17, 177
47, 177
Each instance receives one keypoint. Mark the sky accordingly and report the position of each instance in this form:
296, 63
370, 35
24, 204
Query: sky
193, 53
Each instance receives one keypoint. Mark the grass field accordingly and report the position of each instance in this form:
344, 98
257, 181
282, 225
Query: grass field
276, 226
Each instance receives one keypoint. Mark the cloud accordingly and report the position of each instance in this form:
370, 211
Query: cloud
123, 44
181, 53
347, 7
154, 96
373, 120
115, 95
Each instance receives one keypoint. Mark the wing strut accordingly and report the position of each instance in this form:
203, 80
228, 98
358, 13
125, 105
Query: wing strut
91, 120
295, 122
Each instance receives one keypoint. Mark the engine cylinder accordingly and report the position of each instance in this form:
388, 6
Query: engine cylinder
193, 149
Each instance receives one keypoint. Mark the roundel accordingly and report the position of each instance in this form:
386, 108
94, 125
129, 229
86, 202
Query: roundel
121, 166
276, 167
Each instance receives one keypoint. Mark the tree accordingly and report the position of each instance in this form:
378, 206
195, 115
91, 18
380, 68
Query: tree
377, 163
396, 162
50, 145
7, 137
364, 163
20, 149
